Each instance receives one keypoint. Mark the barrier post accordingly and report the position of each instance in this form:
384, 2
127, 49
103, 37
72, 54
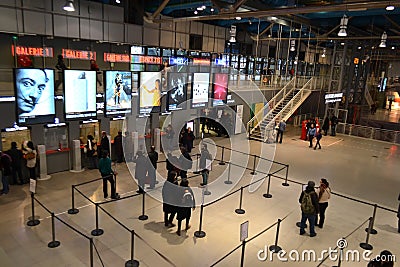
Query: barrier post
97, 231
221, 162
254, 166
143, 217
73, 210
198, 165
275, 248
268, 195
53, 243
91, 252
242, 256
240, 210
286, 178
132, 262
200, 233
372, 231
366, 245
340, 256
229, 174
33, 221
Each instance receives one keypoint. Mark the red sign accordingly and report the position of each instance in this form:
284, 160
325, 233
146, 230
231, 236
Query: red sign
111, 57
32, 51
146, 60
201, 61
78, 54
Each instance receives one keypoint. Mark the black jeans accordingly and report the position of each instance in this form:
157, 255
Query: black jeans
322, 209
279, 133
32, 173
17, 170
311, 137
170, 219
317, 144
108, 177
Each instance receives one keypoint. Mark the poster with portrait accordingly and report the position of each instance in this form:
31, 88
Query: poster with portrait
118, 92
177, 90
149, 92
200, 89
34, 94
220, 89
79, 94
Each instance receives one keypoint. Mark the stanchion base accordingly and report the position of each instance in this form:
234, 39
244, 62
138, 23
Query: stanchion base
221, 163
33, 222
132, 263
200, 234
285, 184
275, 249
97, 232
366, 246
207, 193
196, 172
240, 211
267, 195
143, 217
298, 224
228, 182
73, 211
372, 232
253, 173
53, 244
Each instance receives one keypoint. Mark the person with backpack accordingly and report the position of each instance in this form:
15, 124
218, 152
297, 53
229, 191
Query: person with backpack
324, 194
205, 170
185, 163
5, 167
318, 136
30, 155
309, 208
187, 204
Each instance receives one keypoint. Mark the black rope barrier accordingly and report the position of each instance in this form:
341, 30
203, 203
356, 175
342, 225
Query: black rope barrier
371, 230
97, 231
240, 210
228, 181
222, 162
73, 210
366, 245
33, 221
227, 255
268, 195
200, 233
53, 243
143, 216
253, 172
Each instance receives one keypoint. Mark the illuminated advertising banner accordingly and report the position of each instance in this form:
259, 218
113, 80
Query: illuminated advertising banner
177, 90
78, 54
200, 88
146, 60
220, 89
150, 92
178, 61
118, 92
201, 61
111, 57
32, 51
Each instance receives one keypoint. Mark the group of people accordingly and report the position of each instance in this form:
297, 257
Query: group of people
11, 164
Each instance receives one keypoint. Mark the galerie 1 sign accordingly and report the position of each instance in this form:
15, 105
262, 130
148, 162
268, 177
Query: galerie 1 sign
32, 51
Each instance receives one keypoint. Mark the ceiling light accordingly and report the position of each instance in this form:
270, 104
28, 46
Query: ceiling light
212, 10
232, 33
199, 8
292, 45
393, 47
383, 40
250, 22
359, 48
343, 26
69, 6
324, 52
342, 43
195, 12
274, 18
390, 8
238, 18
203, 7
118, 1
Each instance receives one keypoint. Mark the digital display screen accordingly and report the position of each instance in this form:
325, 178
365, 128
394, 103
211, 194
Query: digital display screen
177, 90
200, 86
137, 67
137, 50
118, 92
220, 89
150, 92
79, 94
34, 93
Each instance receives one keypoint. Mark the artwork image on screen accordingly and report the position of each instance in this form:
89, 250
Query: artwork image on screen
150, 92
34, 94
118, 92
220, 89
177, 90
200, 86
79, 94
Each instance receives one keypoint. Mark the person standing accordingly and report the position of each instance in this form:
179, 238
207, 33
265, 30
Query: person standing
30, 155
318, 136
311, 133
187, 204
60, 66
5, 167
309, 208
325, 126
334, 121
169, 192
390, 104
107, 173
140, 170
95, 67
91, 152
324, 194
104, 143
16, 157
152, 168
119, 152
185, 163
170, 137
205, 169
187, 139
279, 131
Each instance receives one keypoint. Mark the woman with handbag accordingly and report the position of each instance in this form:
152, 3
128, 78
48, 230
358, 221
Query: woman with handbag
30, 155
324, 194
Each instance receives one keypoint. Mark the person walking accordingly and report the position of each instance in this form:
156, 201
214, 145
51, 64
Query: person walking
140, 170
119, 152
107, 173
205, 169
152, 166
311, 133
5, 168
318, 136
16, 168
324, 194
30, 155
325, 126
279, 131
169, 192
334, 121
309, 208
187, 204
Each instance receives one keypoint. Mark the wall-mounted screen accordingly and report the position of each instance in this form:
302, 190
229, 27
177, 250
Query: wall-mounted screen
200, 87
150, 92
79, 94
220, 88
34, 92
177, 90
137, 50
118, 92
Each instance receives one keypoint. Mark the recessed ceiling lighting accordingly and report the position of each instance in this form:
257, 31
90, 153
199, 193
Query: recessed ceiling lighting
359, 47
195, 12
342, 43
69, 6
390, 8
199, 8
274, 18
118, 1
203, 7
393, 47
212, 10
238, 18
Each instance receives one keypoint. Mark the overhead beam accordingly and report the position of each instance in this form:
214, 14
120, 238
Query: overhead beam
392, 21
344, 39
238, 4
159, 9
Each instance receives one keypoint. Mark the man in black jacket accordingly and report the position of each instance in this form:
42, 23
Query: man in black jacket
151, 170
16, 156
309, 208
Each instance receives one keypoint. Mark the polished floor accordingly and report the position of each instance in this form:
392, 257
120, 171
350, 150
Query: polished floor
366, 170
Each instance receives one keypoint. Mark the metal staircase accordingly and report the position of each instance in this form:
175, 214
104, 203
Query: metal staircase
281, 106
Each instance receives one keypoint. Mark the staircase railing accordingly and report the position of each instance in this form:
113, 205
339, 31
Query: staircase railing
368, 97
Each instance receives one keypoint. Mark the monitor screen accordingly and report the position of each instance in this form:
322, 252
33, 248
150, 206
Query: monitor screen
220, 89
34, 92
150, 92
177, 90
118, 92
200, 86
79, 94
